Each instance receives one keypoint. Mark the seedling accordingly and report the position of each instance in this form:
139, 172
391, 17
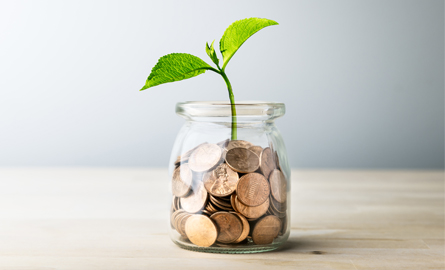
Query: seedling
180, 66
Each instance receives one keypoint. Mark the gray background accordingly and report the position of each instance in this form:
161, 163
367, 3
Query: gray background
363, 81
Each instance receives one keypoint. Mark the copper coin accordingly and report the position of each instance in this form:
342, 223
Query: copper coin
221, 181
280, 207
253, 189
232, 202
229, 226
182, 180
181, 224
237, 144
178, 219
274, 211
201, 230
185, 157
246, 227
266, 229
205, 157
267, 162
284, 227
220, 202
173, 218
242, 160
278, 185
256, 149
196, 201
252, 212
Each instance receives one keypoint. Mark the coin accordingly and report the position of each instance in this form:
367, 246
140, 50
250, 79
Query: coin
274, 211
195, 201
280, 207
229, 225
253, 189
221, 181
178, 219
220, 203
173, 218
201, 230
267, 162
220, 206
210, 208
182, 180
256, 149
185, 157
242, 160
252, 212
237, 144
266, 229
181, 224
284, 227
278, 185
246, 227
232, 202
205, 157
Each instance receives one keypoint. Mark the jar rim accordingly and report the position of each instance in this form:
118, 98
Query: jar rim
261, 110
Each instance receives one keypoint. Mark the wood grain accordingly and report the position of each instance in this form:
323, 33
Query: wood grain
117, 219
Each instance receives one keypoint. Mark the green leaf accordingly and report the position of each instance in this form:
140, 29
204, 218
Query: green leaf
175, 67
211, 53
237, 33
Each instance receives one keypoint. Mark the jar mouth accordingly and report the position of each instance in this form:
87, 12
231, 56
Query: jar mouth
245, 110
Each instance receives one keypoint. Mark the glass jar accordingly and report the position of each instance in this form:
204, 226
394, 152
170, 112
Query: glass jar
229, 196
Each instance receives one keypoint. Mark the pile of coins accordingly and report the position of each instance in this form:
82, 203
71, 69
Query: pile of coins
227, 193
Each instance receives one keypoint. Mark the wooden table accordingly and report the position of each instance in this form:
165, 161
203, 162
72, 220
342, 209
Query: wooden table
82, 218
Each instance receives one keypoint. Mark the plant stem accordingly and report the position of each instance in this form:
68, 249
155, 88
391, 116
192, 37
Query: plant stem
232, 104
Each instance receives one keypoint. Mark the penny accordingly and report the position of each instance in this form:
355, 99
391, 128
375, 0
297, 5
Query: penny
267, 162
196, 201
210, 208
278, 185
278, 161
205, 157
177, 203
178, 222
257, 150
201, 230
266, 229
232, 202
252, 212
280, 207
222, 181
185, 157
242, 160
253, 189
284, 227
220, 202
229, 225
181, 180
173, 218
221, 206
273, 211
237, 144
181, 224
246, 227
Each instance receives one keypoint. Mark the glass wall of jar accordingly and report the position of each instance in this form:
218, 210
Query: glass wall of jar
229, 196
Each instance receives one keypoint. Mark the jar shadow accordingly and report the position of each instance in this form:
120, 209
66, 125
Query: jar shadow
300, 245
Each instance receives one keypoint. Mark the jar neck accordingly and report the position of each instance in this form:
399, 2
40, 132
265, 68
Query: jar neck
220, 112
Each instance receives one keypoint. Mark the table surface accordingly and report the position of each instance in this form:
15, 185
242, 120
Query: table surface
100, 218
